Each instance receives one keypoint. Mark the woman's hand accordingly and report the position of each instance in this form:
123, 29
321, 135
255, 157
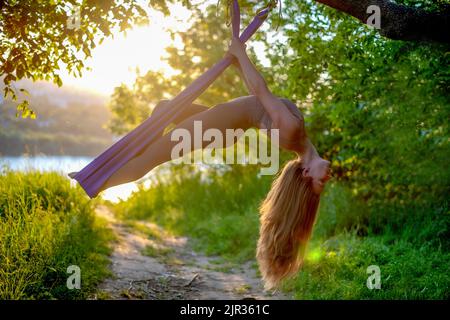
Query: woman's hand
237, 48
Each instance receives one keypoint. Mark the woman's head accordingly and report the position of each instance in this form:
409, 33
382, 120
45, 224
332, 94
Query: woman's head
287, 216
318, 170
315, 167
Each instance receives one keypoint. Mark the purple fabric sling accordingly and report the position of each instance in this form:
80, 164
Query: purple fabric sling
93, 176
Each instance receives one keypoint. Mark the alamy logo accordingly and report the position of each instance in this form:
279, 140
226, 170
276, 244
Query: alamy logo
257, 150
74, 280
374, 280
374, 20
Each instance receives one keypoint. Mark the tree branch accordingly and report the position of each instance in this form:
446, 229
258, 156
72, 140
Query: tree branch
399, 22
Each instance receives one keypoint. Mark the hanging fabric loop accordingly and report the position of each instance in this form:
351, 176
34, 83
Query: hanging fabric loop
94, 175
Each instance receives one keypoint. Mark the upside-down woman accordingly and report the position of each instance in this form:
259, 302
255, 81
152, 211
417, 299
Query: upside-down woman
288, 213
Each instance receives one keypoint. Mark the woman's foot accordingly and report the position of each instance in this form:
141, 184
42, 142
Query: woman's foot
73, 174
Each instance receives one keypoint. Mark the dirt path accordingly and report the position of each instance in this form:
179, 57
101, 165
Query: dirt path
147, 263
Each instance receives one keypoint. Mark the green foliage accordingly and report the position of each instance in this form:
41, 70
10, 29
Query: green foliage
378, 109
37, 38
45, 226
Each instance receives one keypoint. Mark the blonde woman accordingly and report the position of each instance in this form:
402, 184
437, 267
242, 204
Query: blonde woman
288, 213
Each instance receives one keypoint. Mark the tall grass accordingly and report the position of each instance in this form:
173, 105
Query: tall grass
45, 226
220, 212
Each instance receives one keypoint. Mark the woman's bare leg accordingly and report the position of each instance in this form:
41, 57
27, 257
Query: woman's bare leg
192, 109
160, 107
242, 113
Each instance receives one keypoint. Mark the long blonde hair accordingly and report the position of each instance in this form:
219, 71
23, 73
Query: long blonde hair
287, 217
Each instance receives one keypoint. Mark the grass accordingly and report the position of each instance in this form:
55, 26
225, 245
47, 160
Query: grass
409, 245
337, 269
46, 225
220, 212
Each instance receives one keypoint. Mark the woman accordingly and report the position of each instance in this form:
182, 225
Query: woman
289, 210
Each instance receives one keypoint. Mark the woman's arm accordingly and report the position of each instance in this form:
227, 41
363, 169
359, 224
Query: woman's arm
238, 66
280, 115
247, 84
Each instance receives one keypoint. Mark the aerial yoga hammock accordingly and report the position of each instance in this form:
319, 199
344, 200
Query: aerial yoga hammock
288, 213
93, 176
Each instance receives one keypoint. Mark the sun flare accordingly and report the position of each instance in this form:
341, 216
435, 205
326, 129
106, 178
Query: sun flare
142, 48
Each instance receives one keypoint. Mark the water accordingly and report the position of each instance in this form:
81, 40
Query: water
64, 165
67, 164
